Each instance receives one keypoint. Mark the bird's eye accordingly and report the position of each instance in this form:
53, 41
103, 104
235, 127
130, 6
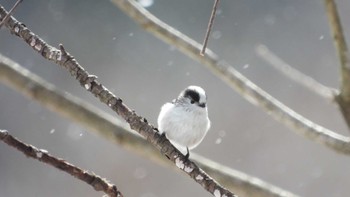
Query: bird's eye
192, 101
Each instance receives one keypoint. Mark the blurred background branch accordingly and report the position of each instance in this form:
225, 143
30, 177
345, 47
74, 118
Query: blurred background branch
294, 74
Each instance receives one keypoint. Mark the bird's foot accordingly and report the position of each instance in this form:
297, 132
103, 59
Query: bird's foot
188, 154
162, 134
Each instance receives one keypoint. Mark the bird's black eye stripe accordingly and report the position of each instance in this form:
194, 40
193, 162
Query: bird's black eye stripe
193, 95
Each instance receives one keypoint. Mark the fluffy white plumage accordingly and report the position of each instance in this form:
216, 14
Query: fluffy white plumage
185, 120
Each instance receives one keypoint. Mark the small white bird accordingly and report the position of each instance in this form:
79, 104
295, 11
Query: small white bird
185, 120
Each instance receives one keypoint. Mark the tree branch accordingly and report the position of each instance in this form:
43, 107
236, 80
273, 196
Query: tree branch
4, 20
343, 98
113, 130
235, 80
294, 74
137, 123
98, 183
210, 25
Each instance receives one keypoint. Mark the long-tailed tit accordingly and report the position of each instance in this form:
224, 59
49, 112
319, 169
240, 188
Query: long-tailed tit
185, 120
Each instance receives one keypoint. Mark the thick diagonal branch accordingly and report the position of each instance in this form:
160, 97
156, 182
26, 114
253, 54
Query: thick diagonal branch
113, 130
137, 123
98, 183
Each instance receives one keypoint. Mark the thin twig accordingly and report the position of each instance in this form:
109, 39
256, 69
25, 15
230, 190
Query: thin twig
294, 74
343, 98
4, 20
114, 130
137, 123
98, 183
235, 80
210, 25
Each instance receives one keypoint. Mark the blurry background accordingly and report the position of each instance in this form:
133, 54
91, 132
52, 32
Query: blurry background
146, 73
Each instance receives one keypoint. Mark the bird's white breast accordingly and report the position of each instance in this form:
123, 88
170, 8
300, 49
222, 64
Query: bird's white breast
184, 126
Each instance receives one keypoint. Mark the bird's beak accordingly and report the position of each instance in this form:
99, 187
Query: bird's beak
201, 105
